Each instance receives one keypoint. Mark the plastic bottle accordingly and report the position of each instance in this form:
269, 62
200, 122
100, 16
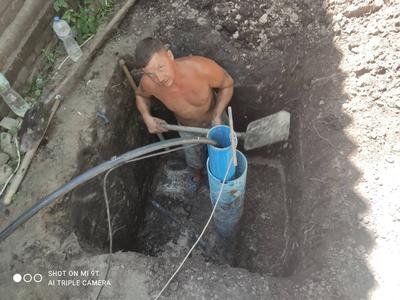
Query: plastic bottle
64, 32
14, 100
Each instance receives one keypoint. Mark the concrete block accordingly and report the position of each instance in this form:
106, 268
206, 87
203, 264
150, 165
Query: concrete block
5, 172
8, 145
4, 158
9, 124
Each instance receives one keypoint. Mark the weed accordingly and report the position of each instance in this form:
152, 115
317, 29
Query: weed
86, 18
42, 76
60, 5
84, 22
49, 59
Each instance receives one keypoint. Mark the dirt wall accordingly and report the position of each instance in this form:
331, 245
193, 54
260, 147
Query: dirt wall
115, 130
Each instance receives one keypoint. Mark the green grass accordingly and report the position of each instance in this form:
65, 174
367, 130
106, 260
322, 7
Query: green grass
84, 22
42, 76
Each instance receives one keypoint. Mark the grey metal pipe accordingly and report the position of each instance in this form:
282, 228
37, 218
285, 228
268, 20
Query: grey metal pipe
91, 173
199, 130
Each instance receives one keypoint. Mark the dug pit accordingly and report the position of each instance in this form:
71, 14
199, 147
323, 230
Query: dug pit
150, 211
303, 211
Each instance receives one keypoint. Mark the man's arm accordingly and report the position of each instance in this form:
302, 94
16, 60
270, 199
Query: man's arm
154, 125
223, 98
220, 79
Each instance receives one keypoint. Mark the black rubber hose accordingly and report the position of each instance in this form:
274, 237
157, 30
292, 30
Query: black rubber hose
91, 173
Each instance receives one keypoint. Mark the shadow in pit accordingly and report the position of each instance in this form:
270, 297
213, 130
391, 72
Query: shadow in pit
314, 209
117, 130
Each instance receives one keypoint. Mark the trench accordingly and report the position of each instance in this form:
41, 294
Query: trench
151, 212
303, 220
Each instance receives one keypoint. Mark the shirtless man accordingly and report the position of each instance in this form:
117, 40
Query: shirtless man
185, 86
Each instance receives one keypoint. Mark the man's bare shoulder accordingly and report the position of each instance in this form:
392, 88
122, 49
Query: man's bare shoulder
198, 63
195, 59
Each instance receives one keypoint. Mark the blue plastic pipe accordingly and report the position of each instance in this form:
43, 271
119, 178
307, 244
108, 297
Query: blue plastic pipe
230, 205
221, 155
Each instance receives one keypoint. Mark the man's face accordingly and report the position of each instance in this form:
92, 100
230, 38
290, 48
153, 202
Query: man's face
160, 68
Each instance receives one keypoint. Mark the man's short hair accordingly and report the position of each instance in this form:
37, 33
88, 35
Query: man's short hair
145, 49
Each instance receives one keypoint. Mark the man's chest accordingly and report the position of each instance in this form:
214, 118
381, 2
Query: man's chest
192, 94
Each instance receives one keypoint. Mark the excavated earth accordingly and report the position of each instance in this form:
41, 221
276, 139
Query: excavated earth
321, 218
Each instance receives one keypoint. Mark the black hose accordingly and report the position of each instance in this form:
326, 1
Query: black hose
91, 173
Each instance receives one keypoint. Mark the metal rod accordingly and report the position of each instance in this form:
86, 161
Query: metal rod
240, 135
232, 136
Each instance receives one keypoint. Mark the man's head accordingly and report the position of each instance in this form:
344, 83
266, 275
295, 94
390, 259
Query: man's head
156, 61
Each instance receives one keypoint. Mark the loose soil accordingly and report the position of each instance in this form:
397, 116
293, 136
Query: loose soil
321, 217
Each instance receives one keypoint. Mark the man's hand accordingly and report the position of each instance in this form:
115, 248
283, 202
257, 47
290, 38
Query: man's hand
154, 125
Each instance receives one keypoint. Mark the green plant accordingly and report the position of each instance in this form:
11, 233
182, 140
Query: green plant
87, 18
84, 22
60, 5
49, 59
105, 8
40, 79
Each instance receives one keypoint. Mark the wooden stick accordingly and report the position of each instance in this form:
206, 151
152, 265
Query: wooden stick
134, 87
128, 74
19, 176
232, 136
